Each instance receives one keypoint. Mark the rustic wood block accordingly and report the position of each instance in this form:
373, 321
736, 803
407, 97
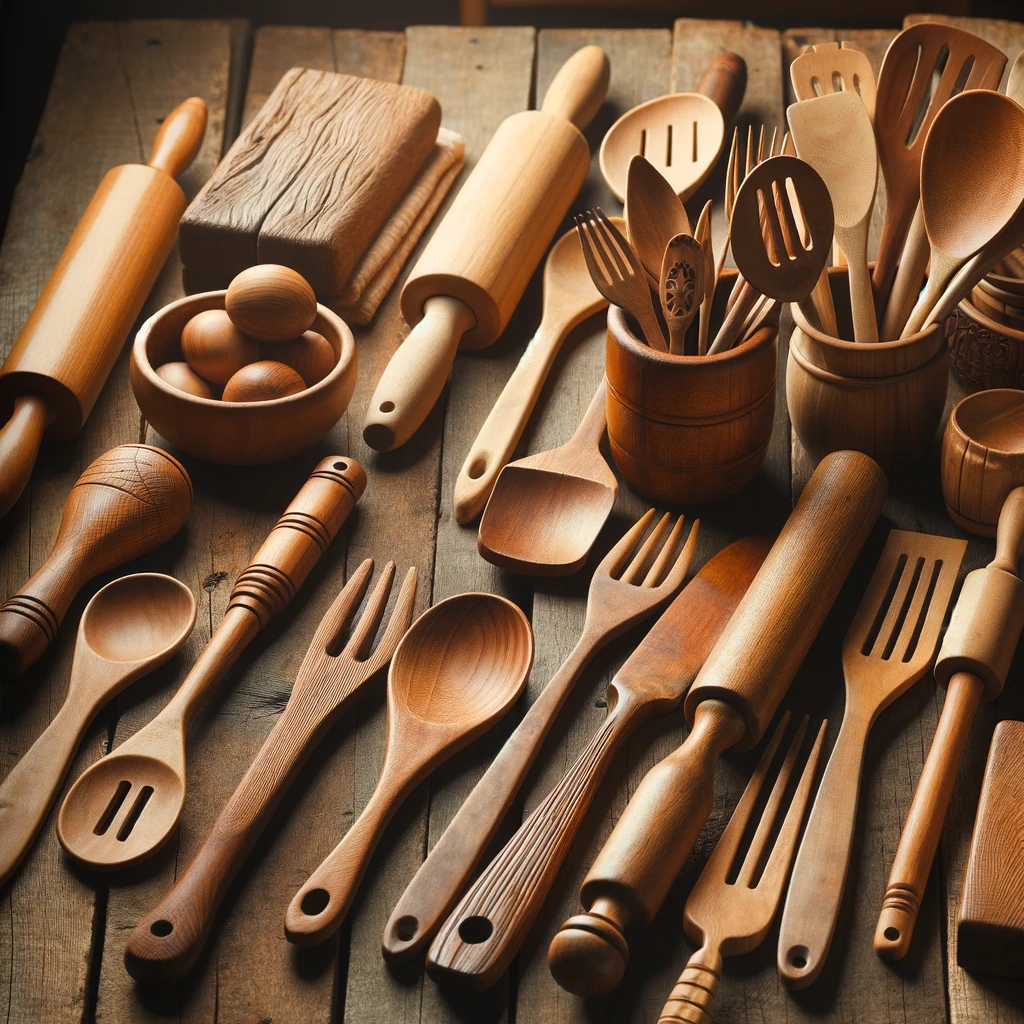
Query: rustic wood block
312, 179
990, 929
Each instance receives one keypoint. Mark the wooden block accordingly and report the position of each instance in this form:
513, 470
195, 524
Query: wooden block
990, 929
312, 178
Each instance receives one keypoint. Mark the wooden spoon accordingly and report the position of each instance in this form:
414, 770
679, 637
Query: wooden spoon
654, 214
834, 135
460, 667
546, 510
130, 627
569, 298
681, 287
680, 134
971, 185
127, 805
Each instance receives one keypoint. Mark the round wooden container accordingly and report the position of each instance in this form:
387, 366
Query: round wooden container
237, 433
885, 400
689, 428
986, 350
983, 457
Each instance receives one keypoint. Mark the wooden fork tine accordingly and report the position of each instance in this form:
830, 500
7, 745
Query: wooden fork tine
400, 621
677, 574
362, 636
613, 562
623, 246
614, 262
597, 273
338, 615
760, 144
731, 170
640, 559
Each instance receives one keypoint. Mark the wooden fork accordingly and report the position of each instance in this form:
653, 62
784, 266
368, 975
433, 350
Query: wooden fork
730, 918
618, 274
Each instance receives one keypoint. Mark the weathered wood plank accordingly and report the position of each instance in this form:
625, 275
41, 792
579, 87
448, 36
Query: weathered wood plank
114, 83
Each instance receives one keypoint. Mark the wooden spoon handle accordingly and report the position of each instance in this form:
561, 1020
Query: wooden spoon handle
725, 82
479, 940
692, 1000
898, 215
179, 138
862, 298
728, 334
20, 438
823, 861
578, 89
821, 299
909, 276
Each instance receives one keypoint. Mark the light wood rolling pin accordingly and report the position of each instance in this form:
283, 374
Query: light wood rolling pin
972, 664
77, 328
729, 706
474, 269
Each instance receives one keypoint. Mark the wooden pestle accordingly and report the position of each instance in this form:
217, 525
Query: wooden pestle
127, 502
730, 705
972, 664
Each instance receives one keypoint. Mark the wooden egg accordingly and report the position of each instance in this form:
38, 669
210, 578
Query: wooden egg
271, 303
182, 377
310, 355
262, 382
215, 348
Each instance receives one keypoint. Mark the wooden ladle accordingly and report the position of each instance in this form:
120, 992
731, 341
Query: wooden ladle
971, 185
460, 667
546, 510
130, 627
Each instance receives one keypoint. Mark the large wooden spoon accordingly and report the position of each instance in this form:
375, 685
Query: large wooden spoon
129, 628
460, 667
654, 214
546, 510
834, 135
971, 185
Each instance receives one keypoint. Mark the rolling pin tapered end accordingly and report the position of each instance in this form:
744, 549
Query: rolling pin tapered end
588, 956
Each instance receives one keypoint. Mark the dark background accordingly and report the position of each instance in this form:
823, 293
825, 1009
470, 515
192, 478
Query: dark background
31, 32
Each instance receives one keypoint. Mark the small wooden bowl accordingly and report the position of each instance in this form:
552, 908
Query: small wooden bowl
983, 457
689, 428
985, 353
884, 400
237, 433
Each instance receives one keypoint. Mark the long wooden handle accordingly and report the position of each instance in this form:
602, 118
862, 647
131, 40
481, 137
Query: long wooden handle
729, 333
416, 375
725, 82
862, 298
898, 215
692, 1000
179, 138
1010, 534
20, 438
823, 860
909, 276
479, 940
168, 940
444, 875
578, 90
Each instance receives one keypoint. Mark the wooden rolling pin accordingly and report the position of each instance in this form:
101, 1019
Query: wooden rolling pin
127, 502
75, 332
972, 664
472, 273
730, 705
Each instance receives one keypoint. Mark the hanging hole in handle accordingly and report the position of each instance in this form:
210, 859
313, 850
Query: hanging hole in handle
475, 930
315, 902
892, 934
406, 928
478, 468
341, 466
161, 929
387, 406
799, 957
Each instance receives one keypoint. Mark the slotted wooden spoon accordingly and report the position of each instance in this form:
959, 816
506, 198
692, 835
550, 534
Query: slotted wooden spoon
889, 646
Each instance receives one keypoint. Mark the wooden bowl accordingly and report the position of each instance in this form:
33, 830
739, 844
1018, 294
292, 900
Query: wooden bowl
983, 457
237, 433
884, 400
689, 428
985, 353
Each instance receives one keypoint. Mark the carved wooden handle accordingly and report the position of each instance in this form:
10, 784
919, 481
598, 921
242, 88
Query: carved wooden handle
692, 1000
725, 82
179, 138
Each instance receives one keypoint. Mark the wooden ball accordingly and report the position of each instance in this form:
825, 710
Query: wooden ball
271, 302
262, 382
182, 377
310, 356
215, 348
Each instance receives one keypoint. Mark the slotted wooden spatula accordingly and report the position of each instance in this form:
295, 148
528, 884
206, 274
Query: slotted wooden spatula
834, 67
889, 646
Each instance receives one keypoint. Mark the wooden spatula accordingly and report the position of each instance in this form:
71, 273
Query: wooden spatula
889, 646
833, 67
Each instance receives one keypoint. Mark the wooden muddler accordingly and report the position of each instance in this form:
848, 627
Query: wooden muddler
77, 328
466, 285
972, 664
730, 705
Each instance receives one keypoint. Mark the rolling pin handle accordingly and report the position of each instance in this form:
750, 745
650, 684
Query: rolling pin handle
725, 82
20, 438
1010, 533
578, 90
179, 138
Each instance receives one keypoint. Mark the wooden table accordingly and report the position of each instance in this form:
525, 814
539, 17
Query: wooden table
64, 932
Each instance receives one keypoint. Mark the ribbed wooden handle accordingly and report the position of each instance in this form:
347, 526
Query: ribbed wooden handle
693, 997
578, 89
725, 82
127, 502
179, 138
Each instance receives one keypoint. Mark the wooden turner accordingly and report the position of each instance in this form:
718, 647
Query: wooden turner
889, 646
834, 67
168, 940
732, 917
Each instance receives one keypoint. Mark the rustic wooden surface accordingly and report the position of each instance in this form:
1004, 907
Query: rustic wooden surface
62, 941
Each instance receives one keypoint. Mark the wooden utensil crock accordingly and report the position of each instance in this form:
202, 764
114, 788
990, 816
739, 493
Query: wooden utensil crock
689, 428
985, 352
983, 457
884, 399
237, 433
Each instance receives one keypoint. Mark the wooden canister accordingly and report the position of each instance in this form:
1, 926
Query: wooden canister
689, 428
884, 400
984, 350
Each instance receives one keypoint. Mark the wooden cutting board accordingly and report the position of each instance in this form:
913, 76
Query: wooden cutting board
312, 179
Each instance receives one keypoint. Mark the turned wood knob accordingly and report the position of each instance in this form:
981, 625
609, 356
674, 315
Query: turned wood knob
271, 303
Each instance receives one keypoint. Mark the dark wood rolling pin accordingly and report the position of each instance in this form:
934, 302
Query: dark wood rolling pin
972, 664
729, 706
127, 502
77, 328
